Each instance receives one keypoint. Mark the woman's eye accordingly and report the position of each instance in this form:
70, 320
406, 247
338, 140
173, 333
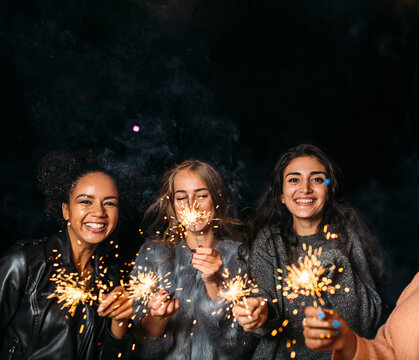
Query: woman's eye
202, 196
318, 180
181, 198
85, 202
292, 180
111, 204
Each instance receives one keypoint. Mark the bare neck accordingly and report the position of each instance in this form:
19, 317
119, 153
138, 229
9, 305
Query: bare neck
82, 255
203, 238
306, 226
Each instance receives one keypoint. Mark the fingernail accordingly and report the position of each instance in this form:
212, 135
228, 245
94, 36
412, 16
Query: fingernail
320, 315
336, 324
100, 308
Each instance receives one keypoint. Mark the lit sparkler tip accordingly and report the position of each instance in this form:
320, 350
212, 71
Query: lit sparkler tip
305, 278
143, 285
236, 289
71, 291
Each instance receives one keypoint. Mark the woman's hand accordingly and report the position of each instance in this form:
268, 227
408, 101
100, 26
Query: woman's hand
162, 306
251, 313
209, 262
118, 306
326, 330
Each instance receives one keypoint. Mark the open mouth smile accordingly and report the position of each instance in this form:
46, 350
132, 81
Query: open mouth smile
304, 201
95, 227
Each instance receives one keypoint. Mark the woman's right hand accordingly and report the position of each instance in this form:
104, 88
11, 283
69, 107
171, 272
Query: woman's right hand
162, 306
251, 313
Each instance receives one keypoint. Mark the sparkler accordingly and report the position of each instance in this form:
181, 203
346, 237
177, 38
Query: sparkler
191, 216
305, 278
71, 291
238, 288
143, 285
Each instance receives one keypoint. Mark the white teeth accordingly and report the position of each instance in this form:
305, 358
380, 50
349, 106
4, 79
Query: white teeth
304, 201
95, 225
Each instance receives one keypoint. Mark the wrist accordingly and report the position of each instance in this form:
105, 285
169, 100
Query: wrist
212, 279
349, 344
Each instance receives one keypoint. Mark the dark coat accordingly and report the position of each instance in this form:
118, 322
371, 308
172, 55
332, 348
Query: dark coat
33, 326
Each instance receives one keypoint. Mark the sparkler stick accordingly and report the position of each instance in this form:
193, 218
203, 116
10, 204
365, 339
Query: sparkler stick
193, 223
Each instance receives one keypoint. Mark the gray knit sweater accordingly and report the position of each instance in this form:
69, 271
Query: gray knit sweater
200, 329
361, 306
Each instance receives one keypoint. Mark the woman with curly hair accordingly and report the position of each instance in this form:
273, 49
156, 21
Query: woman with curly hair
186, 318
303, 200
82, 195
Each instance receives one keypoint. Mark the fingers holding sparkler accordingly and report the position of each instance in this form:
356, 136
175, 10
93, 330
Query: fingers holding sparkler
326, 330
209, 262
251, 313
116, 305
163, 305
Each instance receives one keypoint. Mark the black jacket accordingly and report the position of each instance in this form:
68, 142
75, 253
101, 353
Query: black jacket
33, 326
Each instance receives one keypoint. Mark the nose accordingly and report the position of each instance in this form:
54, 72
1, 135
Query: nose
98, 210
305, 187
191, 199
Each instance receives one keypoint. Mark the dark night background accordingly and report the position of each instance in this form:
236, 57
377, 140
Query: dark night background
235, 82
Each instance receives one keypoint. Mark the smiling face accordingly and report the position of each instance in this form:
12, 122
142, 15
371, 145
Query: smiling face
304, 192
188, 186
92, 210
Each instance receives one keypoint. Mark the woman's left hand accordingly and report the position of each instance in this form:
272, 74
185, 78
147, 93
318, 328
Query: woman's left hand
209, 262
118, 306
326, 330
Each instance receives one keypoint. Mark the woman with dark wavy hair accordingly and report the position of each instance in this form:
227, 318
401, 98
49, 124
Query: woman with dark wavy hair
302, 207
186, 318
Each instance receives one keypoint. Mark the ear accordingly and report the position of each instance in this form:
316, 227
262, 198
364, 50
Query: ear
66, 214
282, 199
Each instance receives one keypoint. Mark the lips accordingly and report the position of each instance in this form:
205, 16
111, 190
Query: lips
95, 227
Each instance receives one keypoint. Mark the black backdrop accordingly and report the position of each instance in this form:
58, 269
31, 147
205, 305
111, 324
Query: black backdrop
234, 82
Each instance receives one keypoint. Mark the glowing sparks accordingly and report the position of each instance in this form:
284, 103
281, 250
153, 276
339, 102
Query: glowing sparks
71, 291
143, 285
191, 215
236, 289
305, 278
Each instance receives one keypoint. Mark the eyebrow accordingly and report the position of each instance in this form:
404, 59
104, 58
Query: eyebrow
196, 190
312, 173
92, 197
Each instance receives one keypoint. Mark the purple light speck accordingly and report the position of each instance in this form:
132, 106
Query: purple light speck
136, 128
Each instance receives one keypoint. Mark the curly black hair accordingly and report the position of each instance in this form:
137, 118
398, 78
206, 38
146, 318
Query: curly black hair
58, 172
